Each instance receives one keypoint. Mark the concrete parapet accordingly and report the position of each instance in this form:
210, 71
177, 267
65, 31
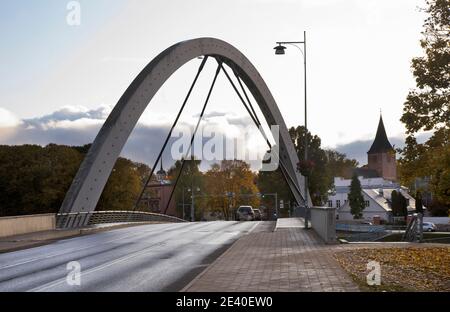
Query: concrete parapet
323, 222
17, 225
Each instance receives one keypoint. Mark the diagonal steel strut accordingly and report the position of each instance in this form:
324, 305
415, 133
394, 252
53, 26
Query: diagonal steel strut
258, 125
183, 160
202, 65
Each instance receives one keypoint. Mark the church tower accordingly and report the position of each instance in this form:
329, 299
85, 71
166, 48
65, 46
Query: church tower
381, 155
161, 175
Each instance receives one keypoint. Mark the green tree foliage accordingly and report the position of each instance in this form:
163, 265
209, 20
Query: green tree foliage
403, 205
338, 165
419, 203
427, 107
35, 179
399, 204
123, 187
274, 182
355, 198
322, 165
191, 178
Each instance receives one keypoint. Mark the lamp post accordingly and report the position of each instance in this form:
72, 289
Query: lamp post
275, 195
193, 201
280, 50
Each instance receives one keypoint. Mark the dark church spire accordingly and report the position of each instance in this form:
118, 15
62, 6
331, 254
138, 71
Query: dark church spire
381, 143
161, 174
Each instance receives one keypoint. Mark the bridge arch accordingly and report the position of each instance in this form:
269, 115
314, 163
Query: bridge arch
96, 168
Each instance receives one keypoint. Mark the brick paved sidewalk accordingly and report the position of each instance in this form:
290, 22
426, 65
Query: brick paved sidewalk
289, 259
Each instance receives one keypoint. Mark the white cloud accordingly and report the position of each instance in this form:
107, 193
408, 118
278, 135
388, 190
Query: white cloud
77, 125
8, 119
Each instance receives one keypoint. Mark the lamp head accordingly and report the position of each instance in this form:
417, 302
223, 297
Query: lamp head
279, 50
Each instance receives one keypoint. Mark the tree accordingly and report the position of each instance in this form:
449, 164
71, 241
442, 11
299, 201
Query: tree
191, 180
395, 203
419, 204
233, 177
123, 187
35, 179
399, 204
338, 165
322, 165
427, 107
403, 205
355, 198
274, 182
318, 180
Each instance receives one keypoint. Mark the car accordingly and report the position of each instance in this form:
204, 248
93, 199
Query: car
258, 214
429, 227
245, 213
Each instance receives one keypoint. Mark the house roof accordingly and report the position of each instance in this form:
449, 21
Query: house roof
381, 143
384, 200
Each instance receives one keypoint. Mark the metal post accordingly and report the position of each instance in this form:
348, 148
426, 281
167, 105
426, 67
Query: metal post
182, 196
276, 205
306, 135
420, 227
294, 43
192, 204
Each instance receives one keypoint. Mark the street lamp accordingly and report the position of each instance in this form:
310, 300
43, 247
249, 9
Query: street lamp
280, 50
193, 201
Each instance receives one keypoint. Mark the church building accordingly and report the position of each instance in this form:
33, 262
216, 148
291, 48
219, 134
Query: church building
381, 155
381, 162
378, 181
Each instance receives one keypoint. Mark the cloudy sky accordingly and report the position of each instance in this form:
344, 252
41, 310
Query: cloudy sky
59, 82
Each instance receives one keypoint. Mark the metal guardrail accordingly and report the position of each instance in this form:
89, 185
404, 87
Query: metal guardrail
413, 231
361, 232
359, 228
80, 219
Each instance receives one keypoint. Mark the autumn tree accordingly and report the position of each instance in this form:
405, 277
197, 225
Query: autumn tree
427, 107
229, 185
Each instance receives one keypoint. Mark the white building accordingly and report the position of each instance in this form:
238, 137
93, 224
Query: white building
377, 196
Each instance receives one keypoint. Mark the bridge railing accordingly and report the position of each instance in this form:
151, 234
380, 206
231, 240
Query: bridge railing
80, 219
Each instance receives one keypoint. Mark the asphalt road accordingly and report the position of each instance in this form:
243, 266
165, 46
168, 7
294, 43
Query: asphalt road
156, 257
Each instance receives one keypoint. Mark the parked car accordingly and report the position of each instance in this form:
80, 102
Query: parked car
258, 214
245, 213
429, 227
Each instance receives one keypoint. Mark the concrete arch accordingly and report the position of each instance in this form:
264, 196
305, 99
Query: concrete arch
96, 168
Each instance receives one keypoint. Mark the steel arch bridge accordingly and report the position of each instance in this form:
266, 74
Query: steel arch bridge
96, 168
